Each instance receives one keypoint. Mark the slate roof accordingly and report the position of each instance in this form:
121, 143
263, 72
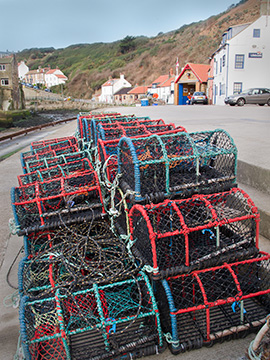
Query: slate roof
123, 91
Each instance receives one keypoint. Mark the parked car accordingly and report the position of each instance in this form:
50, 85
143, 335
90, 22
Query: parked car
259, 96
199, 97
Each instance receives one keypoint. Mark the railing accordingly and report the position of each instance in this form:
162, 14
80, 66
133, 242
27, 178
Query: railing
34, 128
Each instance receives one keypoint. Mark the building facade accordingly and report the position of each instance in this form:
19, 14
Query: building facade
55, 77
242, 60
22, 70
110, 87
11, 95
193, 77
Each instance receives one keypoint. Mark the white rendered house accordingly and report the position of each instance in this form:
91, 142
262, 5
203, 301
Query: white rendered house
242, 61
22, 70
55, 77
112, 86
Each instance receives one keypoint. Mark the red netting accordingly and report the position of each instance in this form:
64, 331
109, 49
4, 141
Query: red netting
70, 140
66, 199
218, 302
195, 232
56, 171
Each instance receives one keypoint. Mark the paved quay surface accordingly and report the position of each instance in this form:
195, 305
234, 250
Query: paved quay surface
250, 128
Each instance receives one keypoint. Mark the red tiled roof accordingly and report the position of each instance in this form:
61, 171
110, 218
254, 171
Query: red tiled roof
110, 82
199, 70
160, 80
139, 90
60, 76
167, 82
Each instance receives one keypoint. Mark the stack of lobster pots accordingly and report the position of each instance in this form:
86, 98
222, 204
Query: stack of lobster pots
136, 236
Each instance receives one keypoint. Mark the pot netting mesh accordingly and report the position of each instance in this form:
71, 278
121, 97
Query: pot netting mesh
91, 128
178, 164
74, 258
107, 153
47, 162
101, 322
82, 116
66, 141
46, 204
201, 231
57, 171
43, 241
214, 303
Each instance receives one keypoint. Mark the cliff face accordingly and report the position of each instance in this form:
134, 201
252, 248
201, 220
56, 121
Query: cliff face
141, 59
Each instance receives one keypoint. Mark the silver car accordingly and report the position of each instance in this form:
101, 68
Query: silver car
259, 96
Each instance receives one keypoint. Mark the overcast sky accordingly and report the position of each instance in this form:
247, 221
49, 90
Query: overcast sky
26, 24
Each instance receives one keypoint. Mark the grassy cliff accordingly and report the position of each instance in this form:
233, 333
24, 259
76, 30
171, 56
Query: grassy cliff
141, 59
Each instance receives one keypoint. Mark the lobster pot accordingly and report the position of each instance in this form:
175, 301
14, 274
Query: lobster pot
112, 132
107, 153
67, 141
204, 306
181, 235
177, 164
45, 163
49, 153
37, 243
102, 322
75, 259
55, 146
55, 172
41, 330
164, 128
91, 128
148, 121
45, 205
136, 131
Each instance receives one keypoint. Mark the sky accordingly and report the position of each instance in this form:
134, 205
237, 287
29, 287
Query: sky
28, 24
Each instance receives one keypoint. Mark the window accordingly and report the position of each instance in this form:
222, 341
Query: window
239, 61
223, 60
3, 67
256, 33
221, 89
237, 87
4, 82
220, 64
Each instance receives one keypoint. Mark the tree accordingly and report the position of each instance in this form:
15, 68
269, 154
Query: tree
127, 44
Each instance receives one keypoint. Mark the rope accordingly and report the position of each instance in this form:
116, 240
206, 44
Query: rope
12, 300
252, 354
168, 337
10, 268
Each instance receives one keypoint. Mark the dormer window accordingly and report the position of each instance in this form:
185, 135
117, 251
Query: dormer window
256, 33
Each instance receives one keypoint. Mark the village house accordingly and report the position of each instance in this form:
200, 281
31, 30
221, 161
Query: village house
138, 92
54, 77
163, 88
193, 77
22, 70
36, 77
11, 96
110, 87
123, 97
242, 60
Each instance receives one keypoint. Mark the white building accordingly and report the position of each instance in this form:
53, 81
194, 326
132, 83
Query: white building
54, 77
166, 90
110, 87
242, 61
22, 70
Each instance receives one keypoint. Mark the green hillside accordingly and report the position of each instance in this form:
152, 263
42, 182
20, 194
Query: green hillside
141, 59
